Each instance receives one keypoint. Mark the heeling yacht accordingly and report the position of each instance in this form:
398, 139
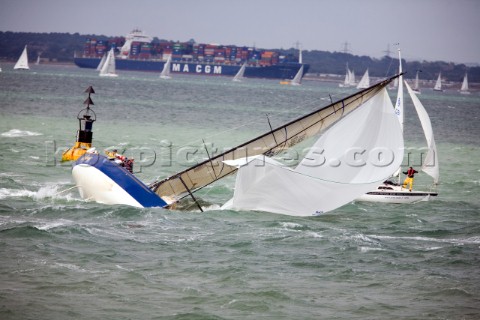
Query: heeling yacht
393, 192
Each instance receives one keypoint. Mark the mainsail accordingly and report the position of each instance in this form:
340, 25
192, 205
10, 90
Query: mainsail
351, 157
438, 84
194, 178
464, 88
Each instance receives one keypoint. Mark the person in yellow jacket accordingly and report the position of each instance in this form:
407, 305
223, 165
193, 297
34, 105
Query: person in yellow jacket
409, 179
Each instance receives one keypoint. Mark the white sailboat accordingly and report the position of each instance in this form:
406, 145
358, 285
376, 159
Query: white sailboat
392, 192
165, 74
364, 82
102, 62
108, 68
464, 88
240, 74
416, 86
349, 79
438, 84
297, 80
22, 62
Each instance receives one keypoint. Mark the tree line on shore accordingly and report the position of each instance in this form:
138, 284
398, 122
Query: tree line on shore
61, 47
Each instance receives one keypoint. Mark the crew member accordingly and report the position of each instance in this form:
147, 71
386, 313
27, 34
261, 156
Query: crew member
409, 179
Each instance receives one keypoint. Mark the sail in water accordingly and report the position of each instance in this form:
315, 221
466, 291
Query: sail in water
102, 62
331, 175
364, 82
438, 84
108, 69
416, 85
464, 88
270, 143
240, 74
22, 62
165, 74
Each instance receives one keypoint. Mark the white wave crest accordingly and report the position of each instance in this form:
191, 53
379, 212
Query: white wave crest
14, 133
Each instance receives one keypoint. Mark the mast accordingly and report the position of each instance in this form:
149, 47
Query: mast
270, 143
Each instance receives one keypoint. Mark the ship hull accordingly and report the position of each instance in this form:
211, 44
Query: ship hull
102, 180
278, 71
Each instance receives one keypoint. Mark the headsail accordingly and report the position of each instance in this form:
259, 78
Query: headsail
430, 163
364, 82
194, 178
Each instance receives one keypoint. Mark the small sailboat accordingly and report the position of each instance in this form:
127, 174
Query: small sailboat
108, 68
102, 62
464, 88
392, 192
364, 82
38, 60
22, 62
240, 74
165, 74
438, 84
416, 85
297, 80
349, 79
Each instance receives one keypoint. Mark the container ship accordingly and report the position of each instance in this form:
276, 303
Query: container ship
137, 51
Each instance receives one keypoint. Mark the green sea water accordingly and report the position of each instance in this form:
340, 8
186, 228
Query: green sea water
64, 258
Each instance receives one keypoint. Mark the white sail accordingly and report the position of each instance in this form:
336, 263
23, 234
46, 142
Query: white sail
430, 163
297, 80
464, 88
108, 68
364, 82
22, 62
239, 76
438, 84
351, 158
352, 78
348, 78
165, 74
102, 62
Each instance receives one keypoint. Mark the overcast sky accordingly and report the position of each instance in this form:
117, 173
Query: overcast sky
426, 29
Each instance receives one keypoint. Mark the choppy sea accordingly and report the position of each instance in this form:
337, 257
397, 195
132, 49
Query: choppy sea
64, 258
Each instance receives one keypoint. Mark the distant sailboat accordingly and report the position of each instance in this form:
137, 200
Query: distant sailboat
102, 62
349, 79
22, 62
166, 69
438, 84
38, 60
108, 69
416, 86
464, 89
297, 80
364, 82
240, 74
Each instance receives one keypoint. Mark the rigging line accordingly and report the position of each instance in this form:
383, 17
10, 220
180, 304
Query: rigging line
191, 194
271, 130
210, 159
56, 194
